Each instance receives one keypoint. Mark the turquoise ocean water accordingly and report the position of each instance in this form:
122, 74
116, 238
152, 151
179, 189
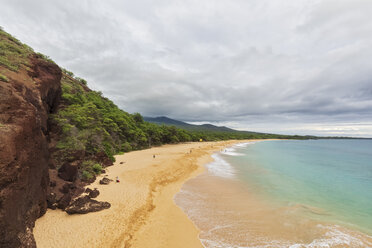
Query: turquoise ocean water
332, 177
285, 193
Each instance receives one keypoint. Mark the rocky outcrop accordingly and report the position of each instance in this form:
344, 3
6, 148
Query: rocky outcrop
60, 192
26, 101
85, 204
68, 172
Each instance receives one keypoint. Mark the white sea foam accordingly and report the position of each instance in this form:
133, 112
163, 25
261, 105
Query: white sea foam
234, 150
231, 151
336, 237
220, 167
245, 144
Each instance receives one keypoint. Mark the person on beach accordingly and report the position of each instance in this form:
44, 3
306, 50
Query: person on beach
117, 179
153, 156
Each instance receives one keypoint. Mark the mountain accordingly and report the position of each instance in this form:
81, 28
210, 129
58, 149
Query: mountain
163, 120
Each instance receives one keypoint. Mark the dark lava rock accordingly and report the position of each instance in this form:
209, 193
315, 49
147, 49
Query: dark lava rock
121, 162
52, 183
105, 180
94, 193
88, 190
64, 201
52, 201
85, 205
68, 172
68, 187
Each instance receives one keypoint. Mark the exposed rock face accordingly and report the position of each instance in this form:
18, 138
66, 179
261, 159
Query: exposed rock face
85, 205
26, 100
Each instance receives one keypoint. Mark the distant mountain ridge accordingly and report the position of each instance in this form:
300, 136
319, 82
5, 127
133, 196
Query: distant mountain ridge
163, 120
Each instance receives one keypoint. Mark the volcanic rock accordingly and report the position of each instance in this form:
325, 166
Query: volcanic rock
64, 201
83, 205
105, 180
68, 172
94, 193
26, 100
52, 201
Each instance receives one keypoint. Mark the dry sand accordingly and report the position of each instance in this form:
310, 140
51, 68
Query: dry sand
142, 213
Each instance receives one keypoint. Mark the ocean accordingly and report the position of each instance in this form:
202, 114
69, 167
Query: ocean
284, 193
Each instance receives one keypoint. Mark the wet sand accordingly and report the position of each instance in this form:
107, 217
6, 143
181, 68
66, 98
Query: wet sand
142, 213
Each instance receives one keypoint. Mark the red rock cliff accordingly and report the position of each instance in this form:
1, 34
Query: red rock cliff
26, 100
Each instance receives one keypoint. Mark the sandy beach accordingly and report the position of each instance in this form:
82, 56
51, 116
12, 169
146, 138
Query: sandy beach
142, 213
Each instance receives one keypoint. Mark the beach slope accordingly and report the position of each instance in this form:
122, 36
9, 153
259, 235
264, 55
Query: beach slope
142, 213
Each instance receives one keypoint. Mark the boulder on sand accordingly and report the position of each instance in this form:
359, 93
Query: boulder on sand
94, 193
85, 204
105, 180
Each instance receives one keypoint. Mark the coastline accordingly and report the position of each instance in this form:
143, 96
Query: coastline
231, 212
142, 206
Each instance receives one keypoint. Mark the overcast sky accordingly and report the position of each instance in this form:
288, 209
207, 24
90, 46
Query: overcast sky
285, 66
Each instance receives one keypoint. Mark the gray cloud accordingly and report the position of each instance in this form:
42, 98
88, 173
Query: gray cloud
281, 66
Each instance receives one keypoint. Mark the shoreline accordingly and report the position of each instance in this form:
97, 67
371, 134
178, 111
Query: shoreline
142, 204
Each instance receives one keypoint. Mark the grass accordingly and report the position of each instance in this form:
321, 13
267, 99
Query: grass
3, 78
13, 54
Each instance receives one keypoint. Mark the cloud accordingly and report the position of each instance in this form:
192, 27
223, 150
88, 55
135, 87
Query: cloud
252, 64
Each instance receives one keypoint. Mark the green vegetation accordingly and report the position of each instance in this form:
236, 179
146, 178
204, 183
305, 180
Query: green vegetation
90, 123
46, 58
93, 123
13, 53
3, 78
89, 169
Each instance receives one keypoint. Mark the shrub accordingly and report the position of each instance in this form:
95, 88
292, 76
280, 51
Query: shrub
81, 80
87, 175
126, 147
97, 168
67, 72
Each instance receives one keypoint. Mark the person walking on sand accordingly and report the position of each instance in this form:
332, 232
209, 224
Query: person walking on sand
153, 156
117, 179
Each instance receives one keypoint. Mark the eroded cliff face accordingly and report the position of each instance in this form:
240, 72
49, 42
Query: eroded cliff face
27, 97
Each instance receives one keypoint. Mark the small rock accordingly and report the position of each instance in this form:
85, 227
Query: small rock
121, 162
88, 190
94, 193
105, 180
85, 205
